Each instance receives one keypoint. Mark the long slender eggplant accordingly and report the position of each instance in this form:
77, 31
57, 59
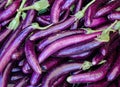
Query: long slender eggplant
92, 76
79, 48
32, 57
67, 4
91, 11
63, 69
6, 57
114, 71
107, 8
10, 11
42, 21
114, 15
78, 7
46, 17
64, 42
2, 4
22, 82
55, 11
4, 23
6, 75
97, 22
42, 44
26, 68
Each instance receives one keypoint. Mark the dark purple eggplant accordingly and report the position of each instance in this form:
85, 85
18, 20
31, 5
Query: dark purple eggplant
64, 42
91, 11
6, 74
4, 34
54, 74
42, 44
4, 23
79, 48
42, 21
6, 57
97, 22
55, 11
32, 57
9, 11
78, 7
107, 8
114, 71
114, 15
17, 55
22, 82
21, 63
29, 18
45, 17
2, 4
67, 4
92, 76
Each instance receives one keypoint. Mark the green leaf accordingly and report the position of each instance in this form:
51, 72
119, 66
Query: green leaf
72, 7
42, 11
39, 5
86, 65
23, 15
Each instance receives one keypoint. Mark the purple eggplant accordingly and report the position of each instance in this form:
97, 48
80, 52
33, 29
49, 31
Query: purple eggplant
55, 11
26, 68
32, 57
92, 76
6, 57
91, 11
107, 8
114, 15
3, 24
45, 17
10, 11
64, 42
114, 71
67, 4
42, 44
6, 74
79, 48
42, 21
63, 69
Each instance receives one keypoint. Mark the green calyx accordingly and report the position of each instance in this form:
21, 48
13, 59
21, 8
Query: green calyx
39, 5
81, 13
36, 26
16, 21
105, 36
86, 65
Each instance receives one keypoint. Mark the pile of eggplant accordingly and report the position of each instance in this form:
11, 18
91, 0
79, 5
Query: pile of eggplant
59, 43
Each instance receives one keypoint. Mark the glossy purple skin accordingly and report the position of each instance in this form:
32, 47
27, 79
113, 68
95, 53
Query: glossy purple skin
32, 57
65, 15
35, 79
97, 22
45, 17
42, 44
67, 4
22, 82
42, 21
10, 11
4, 34
26, 68
98, 58
6, 74
29, 18
61, 70
107, 8
64, 42
79, 48
92, 76
114, 15
80, 56
55, 11
91, 11
114, 71
53, 29
6, 56
17, 55
4, 23
78, 7
2, 4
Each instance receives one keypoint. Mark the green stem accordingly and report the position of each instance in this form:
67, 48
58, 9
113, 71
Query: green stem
86, 65
81, 13
8, 3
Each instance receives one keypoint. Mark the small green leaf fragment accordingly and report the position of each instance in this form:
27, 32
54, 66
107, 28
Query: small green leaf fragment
102, 62
72, 7
86, 65
23, 15
42, 11
118, 9
8, 2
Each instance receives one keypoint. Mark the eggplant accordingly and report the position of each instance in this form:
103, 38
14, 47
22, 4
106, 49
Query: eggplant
114, 16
